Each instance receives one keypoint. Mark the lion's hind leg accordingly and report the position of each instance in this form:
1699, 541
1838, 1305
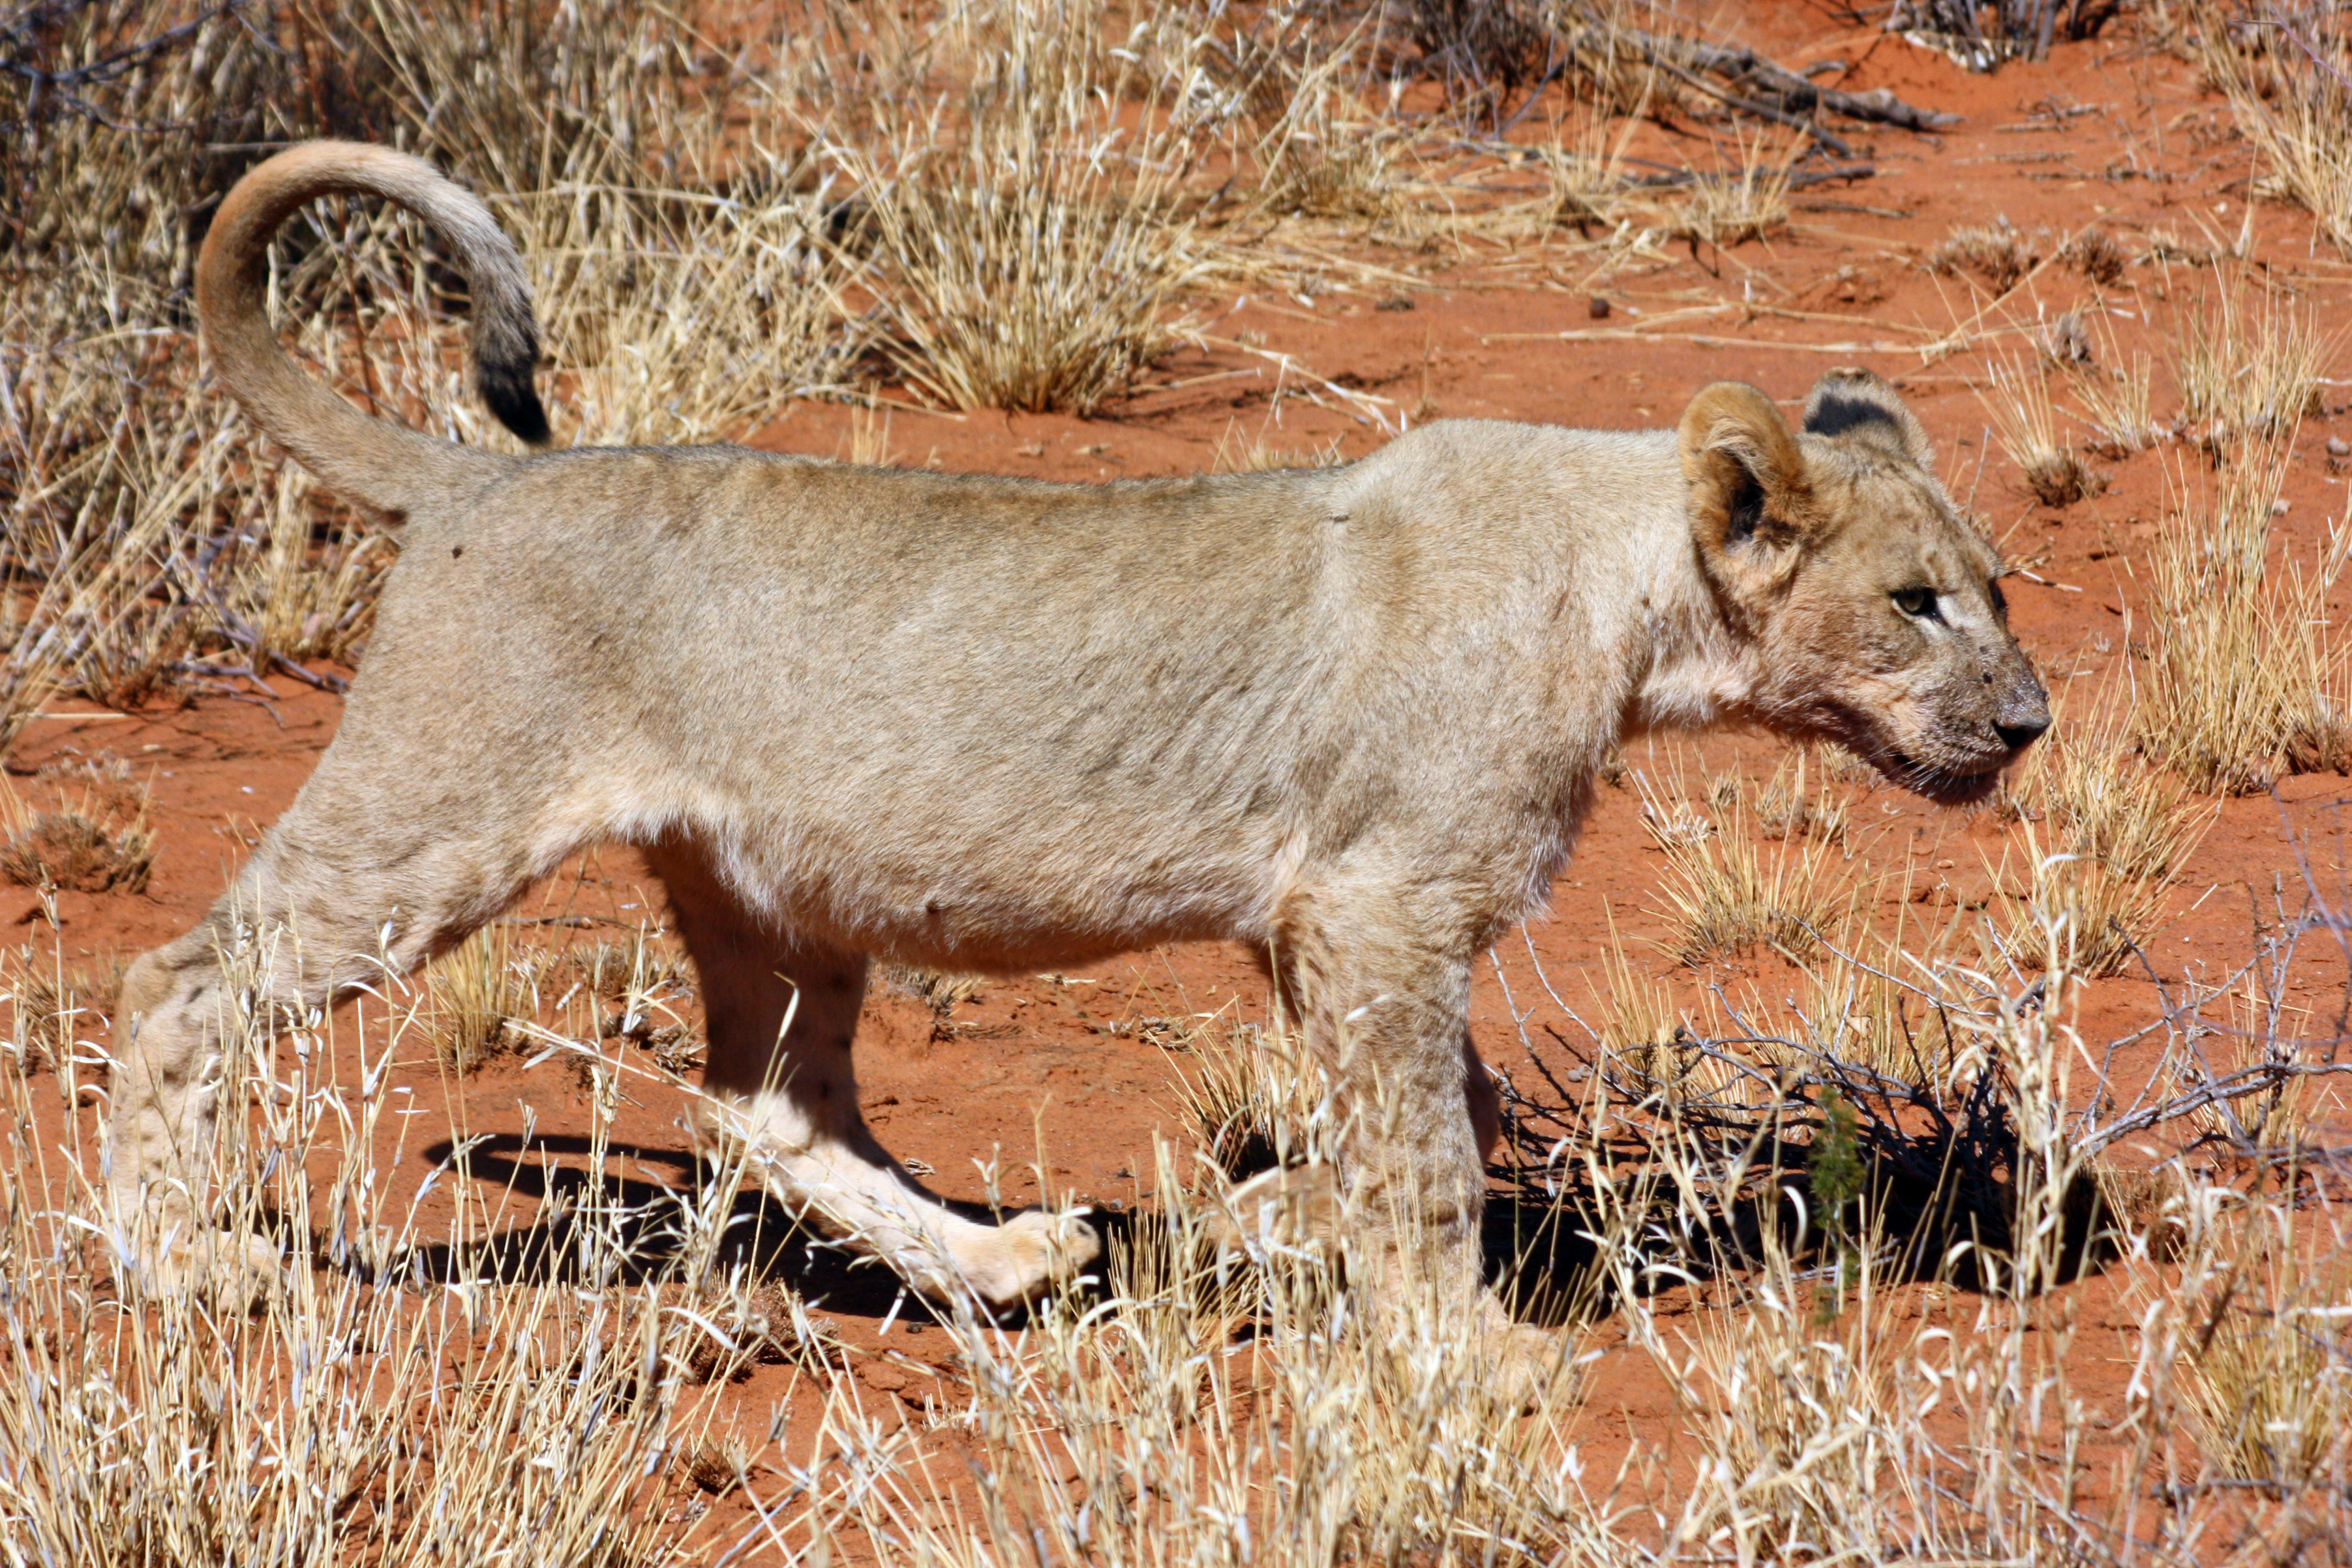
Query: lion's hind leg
299, 926
781, 1013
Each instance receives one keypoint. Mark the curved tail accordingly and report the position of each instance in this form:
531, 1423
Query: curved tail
387, 467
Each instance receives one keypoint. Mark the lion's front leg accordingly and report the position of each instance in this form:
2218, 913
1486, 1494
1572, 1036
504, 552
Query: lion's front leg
1386, 1011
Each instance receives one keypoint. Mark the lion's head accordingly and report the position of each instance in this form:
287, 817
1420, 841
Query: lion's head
1872, 604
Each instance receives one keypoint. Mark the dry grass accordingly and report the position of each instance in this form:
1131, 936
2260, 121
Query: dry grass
2288, 77
2249, 366
1237, 453
2113, 394
2027, 428
2098, 255
2249, 678
94, 838
1731, 207
1727, 892
1997, 254
696, 270
1025, 242
477, 992
1825, 1416
2104, 836
1878, 1015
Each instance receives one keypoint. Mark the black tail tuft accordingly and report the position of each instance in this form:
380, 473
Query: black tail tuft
506, 387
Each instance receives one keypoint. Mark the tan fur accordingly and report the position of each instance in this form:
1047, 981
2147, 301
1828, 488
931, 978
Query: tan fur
1350, 717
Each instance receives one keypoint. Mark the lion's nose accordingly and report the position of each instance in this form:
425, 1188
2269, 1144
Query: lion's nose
2023, 734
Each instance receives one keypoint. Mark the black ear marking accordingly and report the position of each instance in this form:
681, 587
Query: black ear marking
1744, 507
1834, 413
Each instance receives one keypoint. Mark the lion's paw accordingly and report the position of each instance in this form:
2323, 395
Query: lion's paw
1026, 1255
231, 1271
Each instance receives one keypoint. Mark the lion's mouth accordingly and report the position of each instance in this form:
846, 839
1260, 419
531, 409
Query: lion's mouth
1944, 786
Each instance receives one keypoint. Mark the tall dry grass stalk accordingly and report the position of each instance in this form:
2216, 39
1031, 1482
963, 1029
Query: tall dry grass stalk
2249, 678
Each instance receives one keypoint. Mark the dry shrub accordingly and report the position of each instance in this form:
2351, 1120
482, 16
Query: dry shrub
93, 839
1638, 1012
1997, 253
1726, 893
2248, 369
2105, 835
2248, 679
2027, 428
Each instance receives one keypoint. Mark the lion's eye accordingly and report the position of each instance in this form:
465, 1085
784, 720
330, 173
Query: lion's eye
1918, 602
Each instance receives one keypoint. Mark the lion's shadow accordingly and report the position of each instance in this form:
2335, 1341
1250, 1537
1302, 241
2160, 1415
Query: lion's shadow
608, 1230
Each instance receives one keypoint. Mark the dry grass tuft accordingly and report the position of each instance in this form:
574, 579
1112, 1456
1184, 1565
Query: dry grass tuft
474, 992
1238, 455
2249, 681
93, 839
1879, 1016
1997, 253
2106, 834
2113, 394
1841, 766
2098, 255
1726, 892
1025, 243
1733, 207
52, 1005
2027, 428
2288, 78
1250, 1097
2248, 369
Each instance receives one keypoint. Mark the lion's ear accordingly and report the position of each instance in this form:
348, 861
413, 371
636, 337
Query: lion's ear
1750, 497
1857, 403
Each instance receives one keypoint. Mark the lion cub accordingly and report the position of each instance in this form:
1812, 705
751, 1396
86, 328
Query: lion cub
1349, 718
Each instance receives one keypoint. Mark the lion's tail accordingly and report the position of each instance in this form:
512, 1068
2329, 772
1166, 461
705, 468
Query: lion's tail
381, 464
